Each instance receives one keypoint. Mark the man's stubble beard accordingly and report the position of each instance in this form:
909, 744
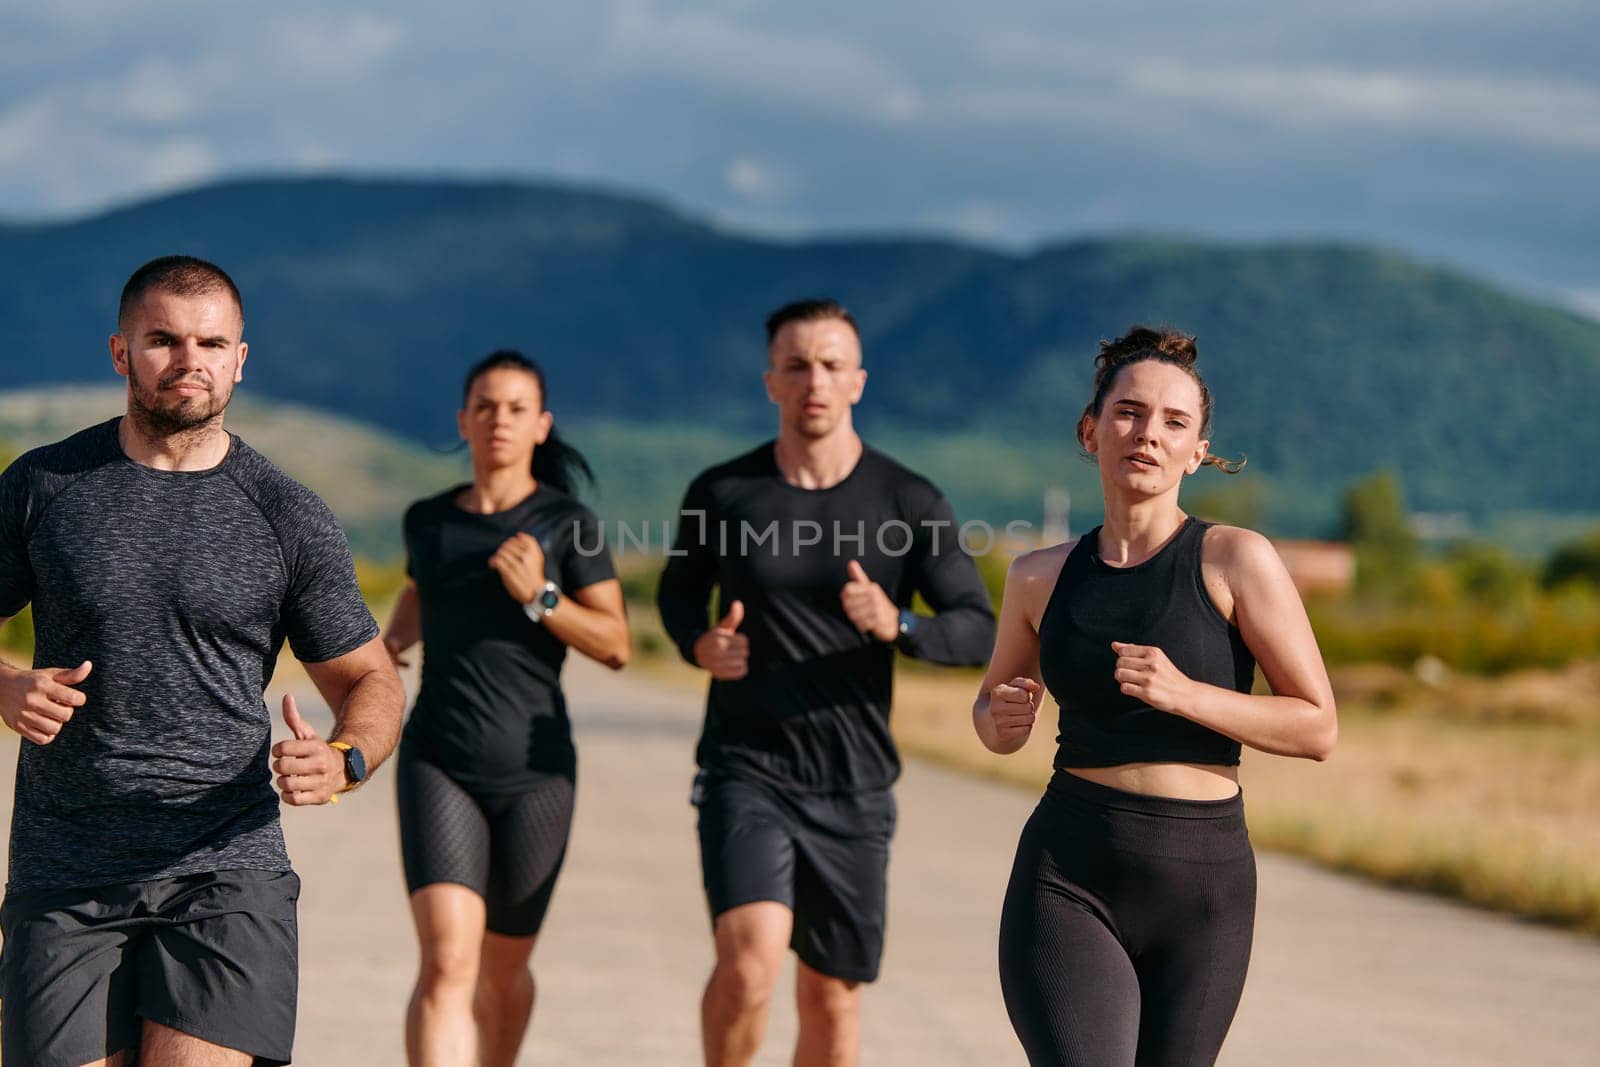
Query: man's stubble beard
817, 427
191, 417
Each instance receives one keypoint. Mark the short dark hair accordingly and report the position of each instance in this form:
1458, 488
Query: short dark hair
807, 311
179, 275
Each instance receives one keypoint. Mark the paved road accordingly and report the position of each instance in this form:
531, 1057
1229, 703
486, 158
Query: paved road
1343, 973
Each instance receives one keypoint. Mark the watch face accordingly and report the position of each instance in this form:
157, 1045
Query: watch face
549, 599
355, 765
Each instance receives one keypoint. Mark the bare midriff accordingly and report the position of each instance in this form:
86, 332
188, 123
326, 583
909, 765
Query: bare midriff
1181, 781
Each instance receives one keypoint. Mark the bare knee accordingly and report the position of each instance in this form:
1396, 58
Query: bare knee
450, 920
745, 980
505, 965
826, 1002
448, 968
504, 979
751, 942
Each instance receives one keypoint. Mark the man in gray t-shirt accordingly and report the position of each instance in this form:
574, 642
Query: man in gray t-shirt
150, 903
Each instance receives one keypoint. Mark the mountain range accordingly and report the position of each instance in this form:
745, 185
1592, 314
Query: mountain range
368, 298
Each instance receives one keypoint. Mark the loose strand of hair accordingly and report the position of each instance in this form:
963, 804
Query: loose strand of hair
1225, 465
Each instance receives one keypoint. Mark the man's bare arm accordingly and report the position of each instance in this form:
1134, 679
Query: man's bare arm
368, 701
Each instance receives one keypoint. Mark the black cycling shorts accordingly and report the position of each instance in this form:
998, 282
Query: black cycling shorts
506, 847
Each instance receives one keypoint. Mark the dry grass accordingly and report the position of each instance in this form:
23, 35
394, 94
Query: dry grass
1485, 790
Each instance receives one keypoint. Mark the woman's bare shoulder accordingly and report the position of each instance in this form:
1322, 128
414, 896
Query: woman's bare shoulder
1236, 547
1041, 566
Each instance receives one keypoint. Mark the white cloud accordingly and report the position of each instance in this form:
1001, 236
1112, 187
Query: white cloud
1027, 105
1407, 120
984, 221
152, 93
1585, 300
1551, 113
337, 47
315, 156
1043, 78
1040, 77
756, 180
25, 128
831, 73
53, 148
173, 163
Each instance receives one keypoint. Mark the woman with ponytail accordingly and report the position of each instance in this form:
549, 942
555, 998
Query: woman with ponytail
507, 572
1126, 929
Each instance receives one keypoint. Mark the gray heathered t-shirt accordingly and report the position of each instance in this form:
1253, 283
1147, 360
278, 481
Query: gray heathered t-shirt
181, 588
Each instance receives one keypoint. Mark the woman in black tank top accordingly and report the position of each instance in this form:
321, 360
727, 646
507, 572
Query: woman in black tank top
1126, 929
507, 573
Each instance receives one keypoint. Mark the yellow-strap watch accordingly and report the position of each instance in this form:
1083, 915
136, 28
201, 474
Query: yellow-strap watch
355, 766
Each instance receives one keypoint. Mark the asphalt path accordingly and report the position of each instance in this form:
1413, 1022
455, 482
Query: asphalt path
1344, 973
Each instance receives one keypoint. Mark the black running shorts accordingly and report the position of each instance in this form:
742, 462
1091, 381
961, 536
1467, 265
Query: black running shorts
824, 856
213, 955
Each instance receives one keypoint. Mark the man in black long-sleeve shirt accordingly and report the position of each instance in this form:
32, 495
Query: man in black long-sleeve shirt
817, 544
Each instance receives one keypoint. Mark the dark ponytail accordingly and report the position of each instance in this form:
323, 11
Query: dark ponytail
555, 462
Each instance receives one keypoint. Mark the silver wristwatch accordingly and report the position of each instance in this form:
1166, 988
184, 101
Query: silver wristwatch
544, 602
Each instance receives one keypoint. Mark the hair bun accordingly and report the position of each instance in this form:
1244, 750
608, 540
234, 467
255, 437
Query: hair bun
1144, 341
1180, 346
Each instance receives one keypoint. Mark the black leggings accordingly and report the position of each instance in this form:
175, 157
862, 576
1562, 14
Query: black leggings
507, 848
1126, 929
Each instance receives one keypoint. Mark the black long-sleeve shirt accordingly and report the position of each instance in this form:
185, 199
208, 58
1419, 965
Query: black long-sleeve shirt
812, 714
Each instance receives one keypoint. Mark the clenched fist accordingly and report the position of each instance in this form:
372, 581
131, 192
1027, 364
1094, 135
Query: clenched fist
520, 563
1013, 707
38, 703
1145, 672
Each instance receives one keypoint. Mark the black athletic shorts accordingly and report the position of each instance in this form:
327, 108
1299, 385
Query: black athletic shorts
506, 847
825, 856
213, 955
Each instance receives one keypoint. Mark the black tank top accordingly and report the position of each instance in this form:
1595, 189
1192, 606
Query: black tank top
1161, 602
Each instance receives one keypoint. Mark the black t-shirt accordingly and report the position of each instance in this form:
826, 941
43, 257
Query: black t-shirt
181, 587
812, 714
490, 711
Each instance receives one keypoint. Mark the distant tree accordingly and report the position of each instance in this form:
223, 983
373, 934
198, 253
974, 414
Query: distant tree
1576, 562
1241, 504
1373, 519
1489, 574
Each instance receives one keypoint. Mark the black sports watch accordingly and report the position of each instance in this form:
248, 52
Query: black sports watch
355, 763
544, 603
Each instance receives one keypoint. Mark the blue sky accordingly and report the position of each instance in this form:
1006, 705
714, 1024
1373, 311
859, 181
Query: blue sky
1466, 131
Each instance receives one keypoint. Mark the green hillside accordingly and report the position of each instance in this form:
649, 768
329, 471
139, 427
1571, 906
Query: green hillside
368, 298
368, 475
